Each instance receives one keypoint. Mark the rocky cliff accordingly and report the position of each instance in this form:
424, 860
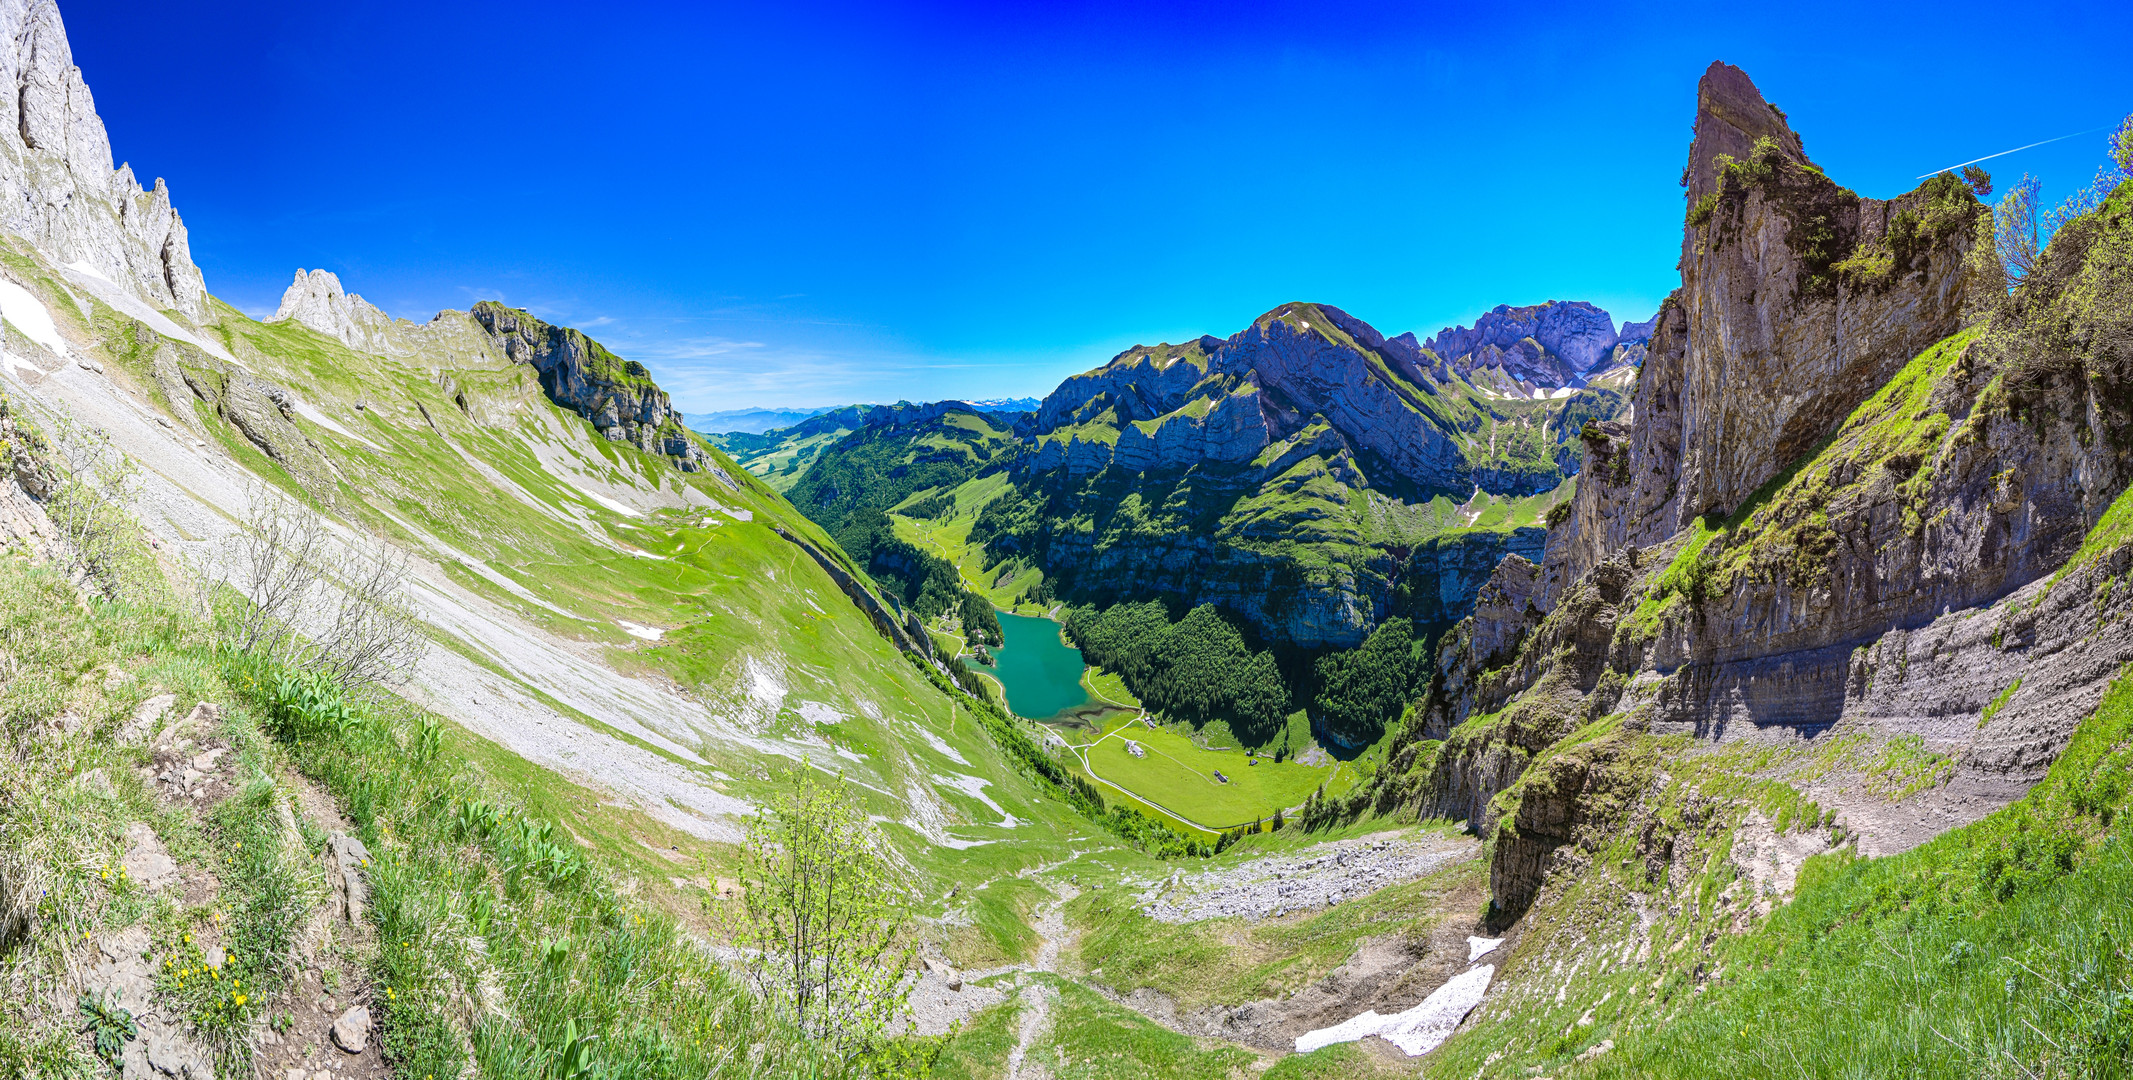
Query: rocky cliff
617, 396
316, 300
57, 186
1544, 346
1840, 526
1798, 300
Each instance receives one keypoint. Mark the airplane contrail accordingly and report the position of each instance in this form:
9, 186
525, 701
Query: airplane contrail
2004, 153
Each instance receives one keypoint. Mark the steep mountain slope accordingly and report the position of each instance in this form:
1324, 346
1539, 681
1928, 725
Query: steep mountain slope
624, 632
1849, 578
1308, 474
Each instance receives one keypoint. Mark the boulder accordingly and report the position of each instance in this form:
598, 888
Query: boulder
351, 1031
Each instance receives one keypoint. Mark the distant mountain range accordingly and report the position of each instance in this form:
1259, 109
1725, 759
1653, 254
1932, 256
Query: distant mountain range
756, 421
1308, 474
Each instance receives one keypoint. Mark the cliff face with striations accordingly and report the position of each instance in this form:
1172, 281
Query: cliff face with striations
618, 396
1839, 525
1798, 300
57, 186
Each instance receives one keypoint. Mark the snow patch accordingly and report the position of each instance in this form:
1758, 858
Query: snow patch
86, 276
1563, 391
30, 316
975, 788
310, 412
764, 690
620, 508
1418, 1030
1478, 947
939, 746
929, 820
648, 633
815, 712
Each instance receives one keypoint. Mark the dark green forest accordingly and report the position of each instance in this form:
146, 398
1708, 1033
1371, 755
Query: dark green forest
923, 582
1196, 669
1361, 691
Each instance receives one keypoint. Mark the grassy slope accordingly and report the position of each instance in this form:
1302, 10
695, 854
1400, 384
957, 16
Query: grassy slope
1180, 774
461, 916
506, 484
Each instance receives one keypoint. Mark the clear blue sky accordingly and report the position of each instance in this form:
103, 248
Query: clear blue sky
786, 204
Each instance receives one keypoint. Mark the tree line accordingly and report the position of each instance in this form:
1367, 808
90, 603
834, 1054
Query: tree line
1201, 668
1198, 668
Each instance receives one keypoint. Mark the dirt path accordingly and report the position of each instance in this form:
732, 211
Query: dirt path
1036, 996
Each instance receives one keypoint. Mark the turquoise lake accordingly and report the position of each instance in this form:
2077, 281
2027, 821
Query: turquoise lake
1041, 673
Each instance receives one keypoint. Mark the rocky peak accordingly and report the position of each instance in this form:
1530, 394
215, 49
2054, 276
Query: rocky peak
1578, 334
1798, 299
1637, 333
57, 186
1730, 116
316, 300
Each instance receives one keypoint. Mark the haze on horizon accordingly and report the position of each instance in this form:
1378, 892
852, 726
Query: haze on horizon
830, 203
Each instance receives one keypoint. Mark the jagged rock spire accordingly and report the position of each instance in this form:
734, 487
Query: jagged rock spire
1730, 115
57, 186
317, 300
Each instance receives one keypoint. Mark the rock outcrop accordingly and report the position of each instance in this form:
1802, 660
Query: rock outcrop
29, 478
1798, 300
617, 396
316, 300
1833, 513
1553, 344
263, 412
57, 186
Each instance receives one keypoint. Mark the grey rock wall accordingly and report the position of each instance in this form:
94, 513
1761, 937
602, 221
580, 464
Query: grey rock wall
57, 184
316, 300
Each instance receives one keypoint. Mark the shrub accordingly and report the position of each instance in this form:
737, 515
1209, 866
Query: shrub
822, 943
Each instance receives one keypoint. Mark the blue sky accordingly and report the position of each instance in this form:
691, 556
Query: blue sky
800, 204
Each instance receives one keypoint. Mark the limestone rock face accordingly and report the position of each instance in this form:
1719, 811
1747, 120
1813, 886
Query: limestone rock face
618, 396
1551, 344
1730, 116
317, 300
1832, 509
263, 412
57, 186
1770, 341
